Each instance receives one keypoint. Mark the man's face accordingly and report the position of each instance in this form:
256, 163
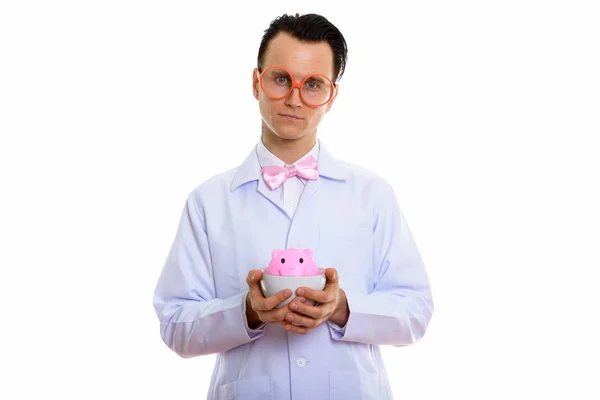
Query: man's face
301, 60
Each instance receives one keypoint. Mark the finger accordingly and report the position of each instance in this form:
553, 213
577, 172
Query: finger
275, 316
296, 329
307, 309
320, 296
253, 277
331, 275
302, 320
272, 301
257, 297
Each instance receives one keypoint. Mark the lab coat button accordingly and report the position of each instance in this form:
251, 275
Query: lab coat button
301, 362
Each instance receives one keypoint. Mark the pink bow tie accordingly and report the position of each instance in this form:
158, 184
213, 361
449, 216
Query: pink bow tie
306, 168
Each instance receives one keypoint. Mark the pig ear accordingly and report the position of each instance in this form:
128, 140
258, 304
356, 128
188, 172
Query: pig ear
309, 252
274, 253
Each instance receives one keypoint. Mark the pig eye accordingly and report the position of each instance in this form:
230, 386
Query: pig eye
283, 260
301, 260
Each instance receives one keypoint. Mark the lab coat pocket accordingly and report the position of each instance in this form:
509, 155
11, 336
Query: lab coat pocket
355, 385
255, 388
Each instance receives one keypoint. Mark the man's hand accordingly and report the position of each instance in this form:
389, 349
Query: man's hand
261, 309
331, 305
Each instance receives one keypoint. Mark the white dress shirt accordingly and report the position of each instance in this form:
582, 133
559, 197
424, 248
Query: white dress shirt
291, 189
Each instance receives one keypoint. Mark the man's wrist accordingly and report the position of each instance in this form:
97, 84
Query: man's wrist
342, 313
251, 315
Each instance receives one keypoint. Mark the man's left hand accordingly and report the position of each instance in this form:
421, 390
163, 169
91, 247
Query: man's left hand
331, 305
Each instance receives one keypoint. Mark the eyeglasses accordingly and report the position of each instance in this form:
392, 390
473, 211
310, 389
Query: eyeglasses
278, 83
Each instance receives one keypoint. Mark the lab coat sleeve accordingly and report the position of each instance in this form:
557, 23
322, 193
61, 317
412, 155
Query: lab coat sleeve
193, 321
399, 308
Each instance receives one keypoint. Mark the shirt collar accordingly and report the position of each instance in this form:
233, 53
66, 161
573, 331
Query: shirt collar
250, 169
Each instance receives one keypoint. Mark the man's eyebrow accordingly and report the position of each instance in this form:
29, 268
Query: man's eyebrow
315, 76
318, 78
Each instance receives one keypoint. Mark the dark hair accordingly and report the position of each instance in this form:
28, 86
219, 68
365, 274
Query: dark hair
308, 28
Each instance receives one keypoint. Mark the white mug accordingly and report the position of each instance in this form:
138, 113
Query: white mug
272, 284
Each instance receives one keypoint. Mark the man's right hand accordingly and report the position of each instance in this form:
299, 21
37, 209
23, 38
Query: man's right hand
261, 309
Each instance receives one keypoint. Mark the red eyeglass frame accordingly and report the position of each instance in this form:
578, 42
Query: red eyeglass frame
298, 85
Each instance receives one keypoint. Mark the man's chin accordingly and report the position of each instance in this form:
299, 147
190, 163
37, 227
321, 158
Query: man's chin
286, 135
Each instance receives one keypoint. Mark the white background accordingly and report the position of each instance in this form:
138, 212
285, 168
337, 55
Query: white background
483, 115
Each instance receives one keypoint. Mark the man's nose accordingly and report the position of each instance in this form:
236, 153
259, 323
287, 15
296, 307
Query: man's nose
294, 99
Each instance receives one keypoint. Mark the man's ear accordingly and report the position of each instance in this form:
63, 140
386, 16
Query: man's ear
255, 83
335, 93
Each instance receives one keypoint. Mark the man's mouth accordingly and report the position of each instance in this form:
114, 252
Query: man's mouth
289, 116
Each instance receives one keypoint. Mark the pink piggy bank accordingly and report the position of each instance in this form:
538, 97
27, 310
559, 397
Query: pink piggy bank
292, 262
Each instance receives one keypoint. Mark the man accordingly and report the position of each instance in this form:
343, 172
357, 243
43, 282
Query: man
377, 292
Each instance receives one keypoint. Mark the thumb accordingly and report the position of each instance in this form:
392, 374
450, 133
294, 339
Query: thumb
331, 275
254, 276
257, 276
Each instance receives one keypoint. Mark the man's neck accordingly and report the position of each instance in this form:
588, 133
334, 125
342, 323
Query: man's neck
289, 150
